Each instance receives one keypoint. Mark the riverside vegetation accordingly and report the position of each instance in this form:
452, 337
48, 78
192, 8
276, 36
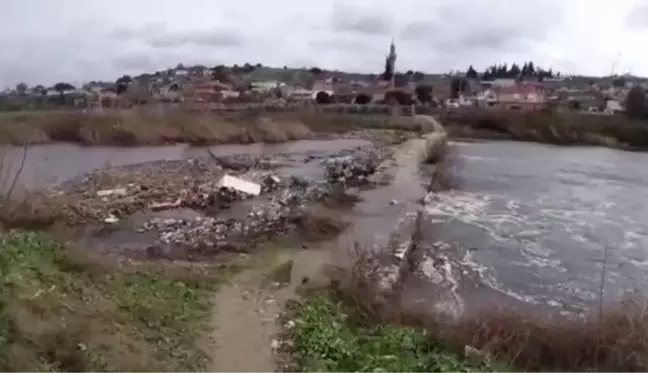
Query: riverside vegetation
151, 126
148, 126
351, 328
616, 131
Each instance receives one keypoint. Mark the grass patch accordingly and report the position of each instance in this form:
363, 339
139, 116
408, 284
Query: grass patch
63, 311
325, 339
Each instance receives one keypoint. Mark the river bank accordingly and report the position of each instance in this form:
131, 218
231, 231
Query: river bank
615, 131
164, 235
164, 214
148, 126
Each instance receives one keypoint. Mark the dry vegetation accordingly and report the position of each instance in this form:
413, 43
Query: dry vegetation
30, 210
145, 127
549, 127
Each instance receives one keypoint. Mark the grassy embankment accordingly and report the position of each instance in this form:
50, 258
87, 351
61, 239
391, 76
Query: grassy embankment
61, 310
549, 127
327, 339
145, 126
354, 328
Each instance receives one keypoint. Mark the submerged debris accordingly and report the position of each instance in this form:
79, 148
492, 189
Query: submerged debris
351, 169
238, 199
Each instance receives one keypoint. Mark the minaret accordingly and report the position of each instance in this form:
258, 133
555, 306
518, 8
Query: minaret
391, 61
390, 65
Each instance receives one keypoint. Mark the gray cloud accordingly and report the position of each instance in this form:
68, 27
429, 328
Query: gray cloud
149, 30
76, 40
638, 17
364, 21
210, 38
158, 35
136, 61
469, 26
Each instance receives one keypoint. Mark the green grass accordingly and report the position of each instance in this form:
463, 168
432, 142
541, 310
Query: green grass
325, 340
62, 311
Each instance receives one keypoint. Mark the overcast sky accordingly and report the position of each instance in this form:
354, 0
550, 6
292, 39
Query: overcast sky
46, 41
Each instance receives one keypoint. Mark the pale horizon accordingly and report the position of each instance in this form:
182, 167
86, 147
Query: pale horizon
75, 41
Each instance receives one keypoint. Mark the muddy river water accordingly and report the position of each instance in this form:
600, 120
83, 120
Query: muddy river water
531, 223
535, 221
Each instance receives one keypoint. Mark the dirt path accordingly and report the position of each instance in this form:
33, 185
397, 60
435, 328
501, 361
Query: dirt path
245, 313
244, 319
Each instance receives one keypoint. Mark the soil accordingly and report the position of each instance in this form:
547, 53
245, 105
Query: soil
247, 310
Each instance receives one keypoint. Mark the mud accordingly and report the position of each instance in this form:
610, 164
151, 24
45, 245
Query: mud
246, 318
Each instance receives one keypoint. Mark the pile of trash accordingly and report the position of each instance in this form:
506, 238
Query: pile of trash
227, 190
279, 214
237, 200
351, 169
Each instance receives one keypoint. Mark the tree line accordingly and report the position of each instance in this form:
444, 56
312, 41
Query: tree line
528, 70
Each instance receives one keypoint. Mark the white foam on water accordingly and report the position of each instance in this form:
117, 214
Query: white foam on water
477, 158
527, 224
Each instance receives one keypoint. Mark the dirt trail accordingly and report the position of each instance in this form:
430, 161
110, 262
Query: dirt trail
244, 321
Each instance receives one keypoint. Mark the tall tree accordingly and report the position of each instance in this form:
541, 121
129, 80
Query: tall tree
424, 93
40, 89
455, 88
21, 88
220, 73
619, 82
125, 79
635, 103
471, 73
61, 87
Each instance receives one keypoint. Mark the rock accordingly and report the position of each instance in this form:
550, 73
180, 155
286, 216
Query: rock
473, 354
155, 252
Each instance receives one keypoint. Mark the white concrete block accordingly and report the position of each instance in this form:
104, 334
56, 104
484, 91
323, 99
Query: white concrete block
244, 186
